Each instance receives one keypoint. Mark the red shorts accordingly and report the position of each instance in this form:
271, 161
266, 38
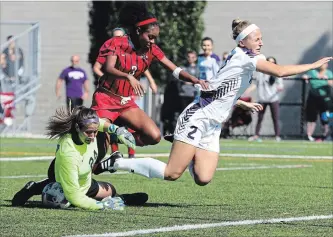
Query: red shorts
109, 106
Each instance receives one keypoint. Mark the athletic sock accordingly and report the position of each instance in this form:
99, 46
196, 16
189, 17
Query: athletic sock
131, 152
148, 167
38, 187
114, 146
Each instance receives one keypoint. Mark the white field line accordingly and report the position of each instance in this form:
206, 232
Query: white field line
35, 158
209, 225
218, 169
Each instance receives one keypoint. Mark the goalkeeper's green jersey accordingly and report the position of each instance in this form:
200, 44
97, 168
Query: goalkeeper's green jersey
73, 170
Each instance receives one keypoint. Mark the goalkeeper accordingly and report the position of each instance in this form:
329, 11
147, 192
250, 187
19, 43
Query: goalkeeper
76, 158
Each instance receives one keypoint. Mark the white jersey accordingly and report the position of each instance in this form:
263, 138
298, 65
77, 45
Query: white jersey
232, 79
200, 123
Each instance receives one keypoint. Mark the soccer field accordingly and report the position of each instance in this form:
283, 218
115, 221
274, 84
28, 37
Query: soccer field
259, 189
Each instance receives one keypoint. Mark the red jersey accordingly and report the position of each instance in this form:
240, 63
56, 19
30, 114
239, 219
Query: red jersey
128, 61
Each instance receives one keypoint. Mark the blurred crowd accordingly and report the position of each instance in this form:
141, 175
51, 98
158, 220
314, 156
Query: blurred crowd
11, 79
73, 79
267, 89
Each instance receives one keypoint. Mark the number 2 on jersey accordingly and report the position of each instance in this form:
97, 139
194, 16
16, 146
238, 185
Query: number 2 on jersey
194, 130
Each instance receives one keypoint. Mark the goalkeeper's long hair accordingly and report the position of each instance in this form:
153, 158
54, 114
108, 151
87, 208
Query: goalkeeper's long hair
63, 122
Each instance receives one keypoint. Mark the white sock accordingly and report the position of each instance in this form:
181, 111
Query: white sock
148, 167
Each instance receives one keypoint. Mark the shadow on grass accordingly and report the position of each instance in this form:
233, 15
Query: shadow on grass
34, 204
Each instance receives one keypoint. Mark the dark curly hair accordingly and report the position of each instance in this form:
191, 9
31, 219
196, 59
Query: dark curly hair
130, 15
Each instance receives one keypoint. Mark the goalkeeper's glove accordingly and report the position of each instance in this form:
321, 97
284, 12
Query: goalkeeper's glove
123, 136
114, 203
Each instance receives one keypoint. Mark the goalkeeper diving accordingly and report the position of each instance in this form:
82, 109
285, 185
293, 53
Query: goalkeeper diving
75, 160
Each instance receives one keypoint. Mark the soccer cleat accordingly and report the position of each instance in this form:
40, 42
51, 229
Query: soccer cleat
134, 199
22, 196
107, 164
310, 138
169, 137
114, 156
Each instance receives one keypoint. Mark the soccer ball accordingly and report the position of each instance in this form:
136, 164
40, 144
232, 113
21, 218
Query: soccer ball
53, 196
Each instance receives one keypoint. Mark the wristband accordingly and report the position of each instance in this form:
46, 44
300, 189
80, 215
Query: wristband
176, 72
112, 128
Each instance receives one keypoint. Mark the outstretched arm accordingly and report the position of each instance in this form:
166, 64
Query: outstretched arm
122, 134
182, 74
288, 70
253, 107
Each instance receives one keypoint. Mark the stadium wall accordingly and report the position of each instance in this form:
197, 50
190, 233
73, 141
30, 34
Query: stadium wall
294, 32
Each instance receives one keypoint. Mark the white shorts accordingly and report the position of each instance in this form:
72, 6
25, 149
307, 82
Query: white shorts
194, 128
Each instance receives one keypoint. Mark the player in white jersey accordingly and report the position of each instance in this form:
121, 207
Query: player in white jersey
196, 137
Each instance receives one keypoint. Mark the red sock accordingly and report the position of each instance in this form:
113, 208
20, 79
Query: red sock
131, 152
114, 146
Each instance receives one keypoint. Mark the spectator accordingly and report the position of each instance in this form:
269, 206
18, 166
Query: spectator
191, 65
11, 59
208, 62
12, 64
224, 57
186, 90
319, 99
180, 91
77, 85
268, 89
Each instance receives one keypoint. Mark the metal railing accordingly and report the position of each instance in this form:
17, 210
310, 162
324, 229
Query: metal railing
19, 74
292, 117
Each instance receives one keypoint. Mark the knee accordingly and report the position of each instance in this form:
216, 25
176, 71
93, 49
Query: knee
155, 137
202, 181
172, 176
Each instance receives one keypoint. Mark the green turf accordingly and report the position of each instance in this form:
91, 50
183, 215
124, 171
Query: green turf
231, 196
16, 147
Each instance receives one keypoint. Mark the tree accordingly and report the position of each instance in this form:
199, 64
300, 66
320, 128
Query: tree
181, 29
103, 15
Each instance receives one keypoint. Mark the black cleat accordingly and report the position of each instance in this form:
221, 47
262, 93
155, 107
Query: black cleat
107, 164
113, 157
22, 196
169, 137
134, 199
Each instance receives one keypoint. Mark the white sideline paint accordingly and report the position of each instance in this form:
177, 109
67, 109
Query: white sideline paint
35, 158
218, 169
209, 225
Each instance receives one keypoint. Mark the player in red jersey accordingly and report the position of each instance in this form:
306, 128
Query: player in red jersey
120, 32
124, 60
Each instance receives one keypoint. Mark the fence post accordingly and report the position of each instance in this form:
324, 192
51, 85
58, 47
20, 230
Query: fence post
302, 108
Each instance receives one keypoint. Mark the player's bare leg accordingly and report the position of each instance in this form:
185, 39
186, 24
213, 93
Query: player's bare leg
180, 157
147, 132
203, 166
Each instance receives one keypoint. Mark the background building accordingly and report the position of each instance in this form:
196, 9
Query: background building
294, 32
